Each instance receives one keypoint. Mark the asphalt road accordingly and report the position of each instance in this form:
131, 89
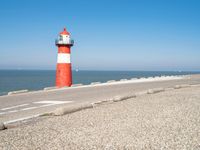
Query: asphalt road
165, 120
19, 106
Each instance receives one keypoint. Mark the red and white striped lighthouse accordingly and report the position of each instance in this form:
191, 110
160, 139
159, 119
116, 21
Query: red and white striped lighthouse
63, 70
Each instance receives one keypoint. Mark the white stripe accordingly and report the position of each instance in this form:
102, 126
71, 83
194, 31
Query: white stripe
14, 106
63, 58
52, 102
46, 104
22, 119
2, 113
12, 111
29, 108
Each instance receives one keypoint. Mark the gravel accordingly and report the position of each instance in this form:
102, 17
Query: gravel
166, 120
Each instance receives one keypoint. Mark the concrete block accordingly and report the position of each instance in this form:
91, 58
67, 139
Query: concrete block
143, 78
98, 102
71, 108
76, 85
94, 83
50, 88
103, 101
156, 90
156, 77
123, 79
141, 93
110, 81
177, 87
2, 126
185, 85
123, 97
181, 86
17, 92
195, 85
134, 78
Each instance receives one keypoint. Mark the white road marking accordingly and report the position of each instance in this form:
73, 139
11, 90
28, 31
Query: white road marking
21, 119
29, 108
14, 106
12, 111
45, 104
52, 102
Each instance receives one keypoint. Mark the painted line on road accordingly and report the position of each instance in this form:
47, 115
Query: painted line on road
2, 113
21, 119
46, 104
52, 102
14, 107
29, 108
12, 111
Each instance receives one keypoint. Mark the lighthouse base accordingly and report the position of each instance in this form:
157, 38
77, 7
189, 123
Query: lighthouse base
63, 75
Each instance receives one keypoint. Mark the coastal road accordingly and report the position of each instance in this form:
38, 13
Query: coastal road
19, 106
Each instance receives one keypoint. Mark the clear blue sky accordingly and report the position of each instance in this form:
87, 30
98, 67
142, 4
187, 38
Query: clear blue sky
108, 34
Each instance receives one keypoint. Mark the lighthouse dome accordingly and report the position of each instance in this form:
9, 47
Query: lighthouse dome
64, 32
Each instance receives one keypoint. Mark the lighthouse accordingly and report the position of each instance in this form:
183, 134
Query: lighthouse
63, 69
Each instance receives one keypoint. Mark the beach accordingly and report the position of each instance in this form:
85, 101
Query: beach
164, 119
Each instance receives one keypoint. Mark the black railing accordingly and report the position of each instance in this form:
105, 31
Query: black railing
68, 42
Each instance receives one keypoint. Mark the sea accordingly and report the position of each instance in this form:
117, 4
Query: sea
12, 80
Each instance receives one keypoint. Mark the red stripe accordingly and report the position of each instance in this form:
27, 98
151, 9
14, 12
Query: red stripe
63, 49
63, 75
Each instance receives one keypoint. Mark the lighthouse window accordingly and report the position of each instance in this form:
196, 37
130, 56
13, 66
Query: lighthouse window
61, 38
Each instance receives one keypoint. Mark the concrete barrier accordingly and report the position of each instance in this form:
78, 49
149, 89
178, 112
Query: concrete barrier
76, 85
123, 97
195, 85
156, 90
185, 85
50, 88
142, 78
17, 92
98, 102
2, 126
141, 93
134, 78
177, 87
102, 102
123, 79
181, 86
70, 109
94, 83
157, 77
110, 81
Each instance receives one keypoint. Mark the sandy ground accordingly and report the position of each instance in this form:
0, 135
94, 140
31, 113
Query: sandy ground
167, 120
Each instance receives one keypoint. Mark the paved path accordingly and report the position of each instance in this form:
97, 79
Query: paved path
25, 105
166, 120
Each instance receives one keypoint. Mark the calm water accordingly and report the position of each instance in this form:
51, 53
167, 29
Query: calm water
11, 80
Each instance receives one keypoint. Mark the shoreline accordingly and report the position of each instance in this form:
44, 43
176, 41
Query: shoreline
109, 82
19, 81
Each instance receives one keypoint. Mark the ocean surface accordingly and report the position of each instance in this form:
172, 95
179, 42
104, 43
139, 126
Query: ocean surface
11, 80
